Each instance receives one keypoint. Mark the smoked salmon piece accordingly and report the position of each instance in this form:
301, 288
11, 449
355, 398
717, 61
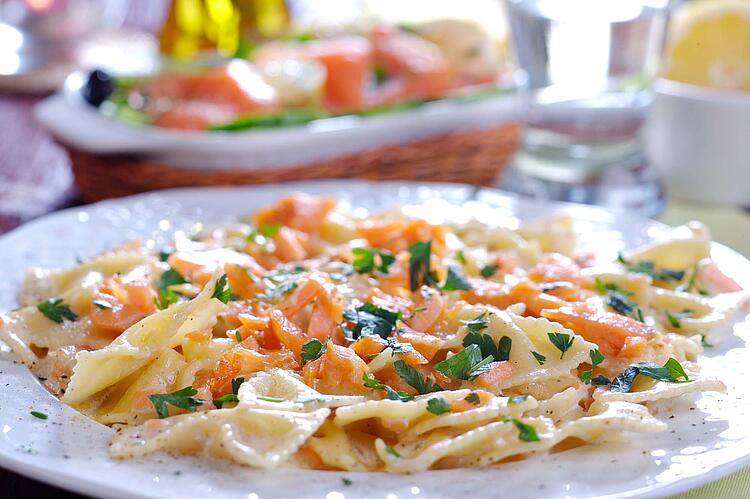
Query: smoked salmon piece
299, 211
555, 267
503, 296
608, 330
397, 235
128, 303
499, 371
337, 372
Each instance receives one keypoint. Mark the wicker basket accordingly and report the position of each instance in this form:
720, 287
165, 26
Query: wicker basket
472, 157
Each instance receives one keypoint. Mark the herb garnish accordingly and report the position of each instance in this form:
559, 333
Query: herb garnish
346, 481
562, 341
312, 350
181, 398
596, 359
541, 359
455, 280
390, 393
488, 271
472, 398
705, 343
230, 397
420, 271
526, 432
477, 324
370, 319
221, 290
166, 296
38, 414
390, 450
671, 372
466, 364
649, 268
618, 298
460, 257
367, 260
517, 399
675, 318
415, 379
487, 346
56, 311
104, 305
438, 406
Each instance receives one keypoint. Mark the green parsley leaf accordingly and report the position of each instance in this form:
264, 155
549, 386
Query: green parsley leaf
600, 380
39, 415
420, 271
312, 349
229, 397
541, 359
648, 268
517, 399
370, 319
168, 278
455, 280
477, 324
371, 259
104, 305
705, 342
466, 364
390, 450
272, 292
346, 481
221, 290
396, 345
438, 406
503, 348
671, 372
165, 298
485, 342
269, 230
415, 379
488, 271
618, 298
526, 432
238, 336
164, 254
596, 359
390, 393
460, 257
562, 342
275, 400
236, 384
674, 319
181, 398
472, 398
56, 311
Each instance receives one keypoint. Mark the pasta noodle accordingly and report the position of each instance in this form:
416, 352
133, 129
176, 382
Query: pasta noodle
315, 337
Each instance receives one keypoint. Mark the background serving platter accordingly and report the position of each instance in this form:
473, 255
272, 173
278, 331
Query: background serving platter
77, 124
708, 436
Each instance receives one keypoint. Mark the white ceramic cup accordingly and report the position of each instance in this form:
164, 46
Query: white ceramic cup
698, 140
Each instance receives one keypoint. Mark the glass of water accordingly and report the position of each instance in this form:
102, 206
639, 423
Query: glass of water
585, 68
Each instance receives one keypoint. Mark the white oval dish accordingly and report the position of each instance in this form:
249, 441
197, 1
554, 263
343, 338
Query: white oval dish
77, 124
697, 140
708, 436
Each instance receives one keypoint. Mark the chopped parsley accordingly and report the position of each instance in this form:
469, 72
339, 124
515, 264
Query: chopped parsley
39, 415
466, 364
488, 271
56, 310
649, 268
596, 359
420, 271
562, 342
460, 257
236, 384
415, 379
165, 296
104, 305
705, 342
312, 350
346, 481
517, 399
370, 319
238, 336
487, 346
396, 345
473, 398
181, 398
526, 432
230, 397
275, 400
272, 292
269, 230
221, 290
541, 359
675, 318
476, 324
455, 280
390, 393
671, 372
438, 406
367, 260
390, 450
618, 298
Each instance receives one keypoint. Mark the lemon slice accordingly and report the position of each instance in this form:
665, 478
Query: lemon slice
709, 44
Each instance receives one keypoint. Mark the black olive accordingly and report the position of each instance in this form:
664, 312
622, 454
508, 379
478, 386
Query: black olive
98, 87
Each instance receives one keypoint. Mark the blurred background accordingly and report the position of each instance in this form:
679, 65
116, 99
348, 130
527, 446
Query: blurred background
642, 106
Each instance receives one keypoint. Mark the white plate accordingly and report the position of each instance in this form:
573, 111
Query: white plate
78, 124
708, 436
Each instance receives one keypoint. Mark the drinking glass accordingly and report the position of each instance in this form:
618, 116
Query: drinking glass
585, 68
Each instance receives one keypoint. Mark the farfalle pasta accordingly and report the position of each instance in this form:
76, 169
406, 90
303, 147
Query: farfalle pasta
310, 336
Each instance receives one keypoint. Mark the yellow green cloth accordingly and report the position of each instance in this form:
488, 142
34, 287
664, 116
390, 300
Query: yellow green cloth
729, 226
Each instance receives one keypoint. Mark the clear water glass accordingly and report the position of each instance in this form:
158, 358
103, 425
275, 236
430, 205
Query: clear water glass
585, 68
